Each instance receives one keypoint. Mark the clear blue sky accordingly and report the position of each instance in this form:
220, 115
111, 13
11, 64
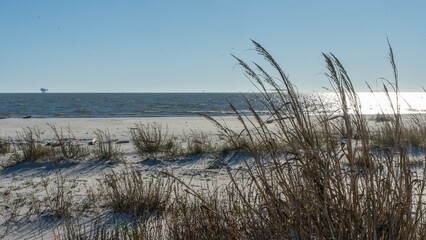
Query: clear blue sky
184, 46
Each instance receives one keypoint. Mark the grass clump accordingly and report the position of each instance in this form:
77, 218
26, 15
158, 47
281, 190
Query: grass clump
198, 143
67, 149
128, 192
207, 218
415, 134
106, 148
383, 118
4, 146
138, 230
151, 139
31, 149
58, 200
412, 133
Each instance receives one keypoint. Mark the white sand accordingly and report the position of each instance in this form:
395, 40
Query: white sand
84, 127
22, 184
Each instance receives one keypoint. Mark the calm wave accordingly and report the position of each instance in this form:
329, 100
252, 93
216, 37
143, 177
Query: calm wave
99, 105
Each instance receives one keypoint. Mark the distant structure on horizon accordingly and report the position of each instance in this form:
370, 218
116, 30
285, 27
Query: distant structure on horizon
44, 90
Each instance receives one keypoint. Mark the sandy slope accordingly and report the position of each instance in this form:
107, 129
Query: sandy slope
28, 187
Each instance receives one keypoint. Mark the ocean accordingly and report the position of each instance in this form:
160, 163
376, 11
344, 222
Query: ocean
106, 105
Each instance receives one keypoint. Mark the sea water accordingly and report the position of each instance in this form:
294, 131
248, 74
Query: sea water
380, 102
100, 105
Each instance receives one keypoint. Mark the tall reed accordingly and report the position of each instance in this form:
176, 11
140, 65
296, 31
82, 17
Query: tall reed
320, 185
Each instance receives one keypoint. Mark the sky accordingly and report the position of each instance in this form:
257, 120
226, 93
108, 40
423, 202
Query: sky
185, 46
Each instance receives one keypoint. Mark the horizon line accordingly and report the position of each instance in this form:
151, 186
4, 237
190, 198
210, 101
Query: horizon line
311, 91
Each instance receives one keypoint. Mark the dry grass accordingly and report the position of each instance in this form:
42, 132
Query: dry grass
198, 143
4, 146
58, 200
106, 148
383, 118
128, 192
67, 148
314, 177
413, 133
320, 189
30, 146
151, 139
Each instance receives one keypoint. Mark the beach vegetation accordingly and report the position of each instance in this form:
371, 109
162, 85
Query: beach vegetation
130, 192
58, 199
381, 117
198, 143
67, 146
14, 210
413, 133
151, 139
4, 146
106, 147
315, 188
30, 146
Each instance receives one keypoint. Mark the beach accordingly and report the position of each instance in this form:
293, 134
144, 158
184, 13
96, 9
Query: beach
212, 120
30, 189
120, 127
27, 186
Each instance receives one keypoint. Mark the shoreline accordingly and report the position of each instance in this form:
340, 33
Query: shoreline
82, 127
